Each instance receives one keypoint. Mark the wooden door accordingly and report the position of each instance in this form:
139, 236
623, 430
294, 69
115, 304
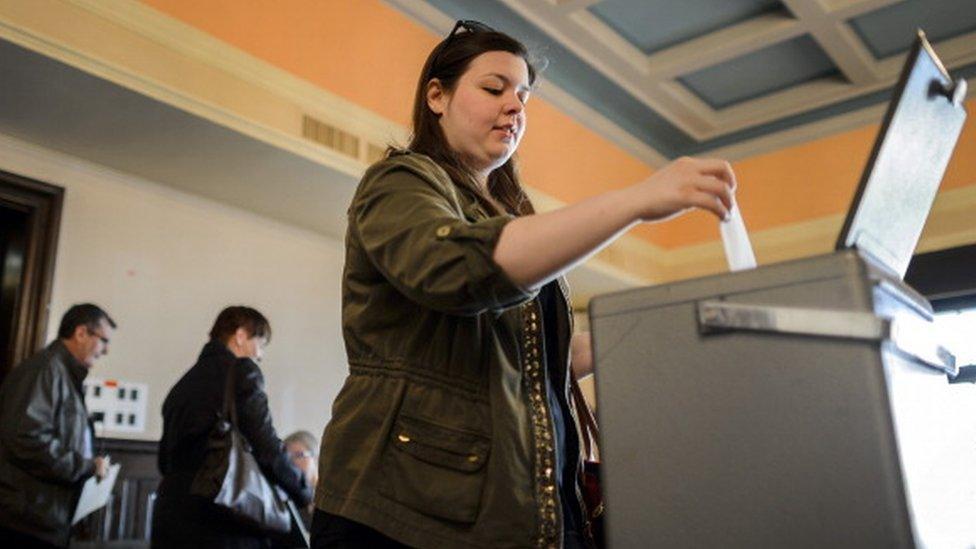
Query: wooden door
30, 215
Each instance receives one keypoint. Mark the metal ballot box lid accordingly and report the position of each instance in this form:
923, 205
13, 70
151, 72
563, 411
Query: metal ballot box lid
801, 404
918, 134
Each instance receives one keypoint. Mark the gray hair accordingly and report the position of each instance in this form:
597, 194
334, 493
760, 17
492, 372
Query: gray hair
305, 439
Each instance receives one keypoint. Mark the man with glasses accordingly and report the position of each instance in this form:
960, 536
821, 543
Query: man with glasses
46, 439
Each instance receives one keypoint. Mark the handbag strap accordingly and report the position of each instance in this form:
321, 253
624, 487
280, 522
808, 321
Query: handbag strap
230, 398
587, 421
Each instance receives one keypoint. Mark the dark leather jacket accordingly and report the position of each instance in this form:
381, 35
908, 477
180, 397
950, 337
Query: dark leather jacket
189, 413
45, 444
442, 435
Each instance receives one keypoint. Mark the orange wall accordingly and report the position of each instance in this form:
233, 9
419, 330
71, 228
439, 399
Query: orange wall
361, 50
808, 181
798, 183
371, 54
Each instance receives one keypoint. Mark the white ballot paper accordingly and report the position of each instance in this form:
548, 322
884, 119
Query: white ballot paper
95, 493
738, 249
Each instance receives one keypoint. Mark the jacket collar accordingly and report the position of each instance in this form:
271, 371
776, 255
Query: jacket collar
75, 367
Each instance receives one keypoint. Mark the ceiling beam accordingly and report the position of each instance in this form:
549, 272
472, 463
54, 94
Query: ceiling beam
722, 45
837, 41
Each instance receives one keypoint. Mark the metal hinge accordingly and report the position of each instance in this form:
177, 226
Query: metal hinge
909, 334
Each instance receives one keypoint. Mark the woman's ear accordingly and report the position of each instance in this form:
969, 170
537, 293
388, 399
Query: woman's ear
240, 337
436, 97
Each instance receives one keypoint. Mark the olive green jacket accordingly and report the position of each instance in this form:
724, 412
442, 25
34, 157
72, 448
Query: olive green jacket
441, 435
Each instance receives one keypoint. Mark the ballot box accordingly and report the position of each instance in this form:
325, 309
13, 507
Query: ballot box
802, 404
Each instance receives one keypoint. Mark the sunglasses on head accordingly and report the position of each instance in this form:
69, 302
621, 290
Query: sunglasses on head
468, 25
462, 27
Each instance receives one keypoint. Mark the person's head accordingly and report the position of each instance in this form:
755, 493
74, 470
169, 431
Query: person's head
244, 331
302, 448
469, 110
85, 331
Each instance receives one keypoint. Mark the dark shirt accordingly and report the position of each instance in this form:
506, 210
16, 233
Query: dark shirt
567, 443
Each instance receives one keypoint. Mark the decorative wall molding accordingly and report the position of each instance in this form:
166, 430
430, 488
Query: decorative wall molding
54, 30
196, 44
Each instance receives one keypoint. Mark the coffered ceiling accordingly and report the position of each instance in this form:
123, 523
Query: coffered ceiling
671, 77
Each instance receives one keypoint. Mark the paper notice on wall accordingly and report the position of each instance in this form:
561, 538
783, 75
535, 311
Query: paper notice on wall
116, 406
95, 493
738, 249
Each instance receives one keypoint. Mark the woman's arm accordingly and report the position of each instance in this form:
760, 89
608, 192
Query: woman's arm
533, 250
581, 355
254, 422
409, 225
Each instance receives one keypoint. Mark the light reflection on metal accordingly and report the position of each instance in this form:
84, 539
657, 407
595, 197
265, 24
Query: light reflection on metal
908, 334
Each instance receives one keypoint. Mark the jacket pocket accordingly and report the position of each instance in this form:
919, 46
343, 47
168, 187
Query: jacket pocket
435, 470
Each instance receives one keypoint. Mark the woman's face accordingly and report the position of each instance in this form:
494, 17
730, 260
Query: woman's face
483, 118
243, 345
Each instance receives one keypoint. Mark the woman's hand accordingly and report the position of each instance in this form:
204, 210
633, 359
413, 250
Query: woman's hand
703, 183
534, 249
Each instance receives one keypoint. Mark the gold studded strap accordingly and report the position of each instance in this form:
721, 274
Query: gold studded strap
543, 440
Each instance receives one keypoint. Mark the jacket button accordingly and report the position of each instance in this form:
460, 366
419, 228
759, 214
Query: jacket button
443, 231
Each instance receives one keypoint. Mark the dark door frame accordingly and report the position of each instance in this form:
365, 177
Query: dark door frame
43, 203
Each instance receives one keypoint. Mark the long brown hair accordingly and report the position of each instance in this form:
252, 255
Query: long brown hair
447, 62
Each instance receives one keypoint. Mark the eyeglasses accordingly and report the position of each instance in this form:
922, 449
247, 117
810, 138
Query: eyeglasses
302, 454
98, 335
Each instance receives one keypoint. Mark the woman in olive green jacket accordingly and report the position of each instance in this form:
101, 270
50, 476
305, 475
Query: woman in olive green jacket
455, 427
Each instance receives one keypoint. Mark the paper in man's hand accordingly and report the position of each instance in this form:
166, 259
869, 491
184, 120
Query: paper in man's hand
95, 493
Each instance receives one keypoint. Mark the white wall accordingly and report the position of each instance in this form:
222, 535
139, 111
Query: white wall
163, 263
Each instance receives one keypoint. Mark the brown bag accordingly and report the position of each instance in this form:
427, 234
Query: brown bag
232, 478
592, 494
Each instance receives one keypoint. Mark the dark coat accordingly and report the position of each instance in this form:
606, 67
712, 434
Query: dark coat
45, 444
442, 434
190, 411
